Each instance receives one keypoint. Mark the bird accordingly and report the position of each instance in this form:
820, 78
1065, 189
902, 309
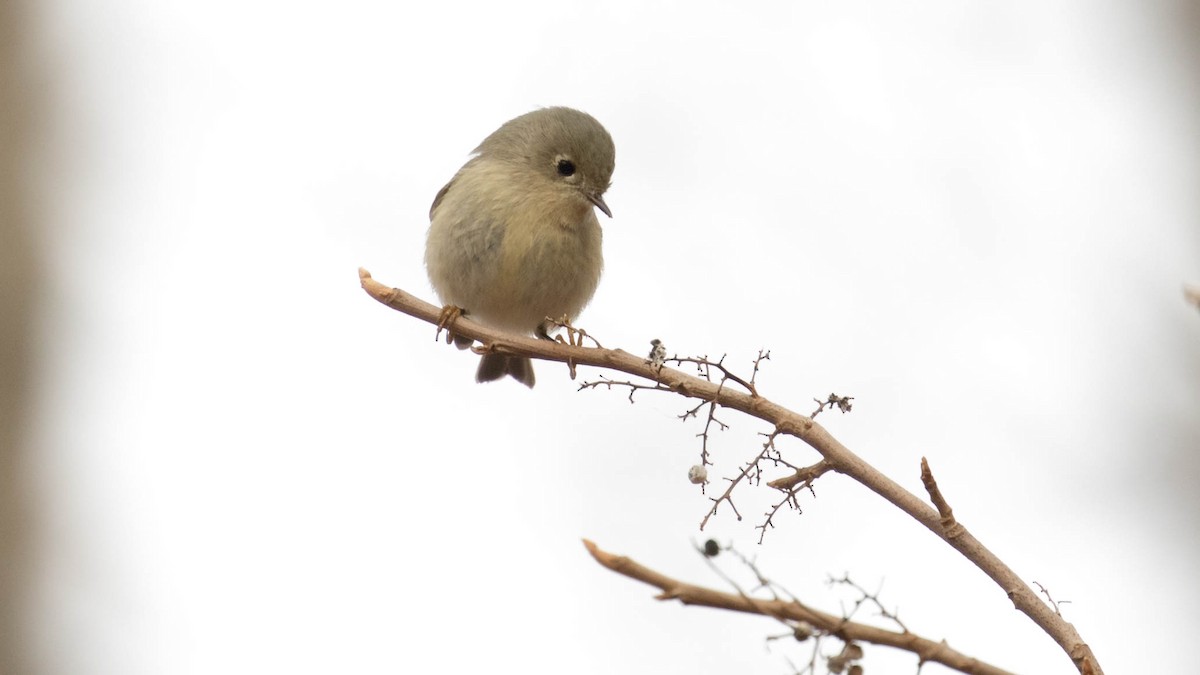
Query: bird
513, 237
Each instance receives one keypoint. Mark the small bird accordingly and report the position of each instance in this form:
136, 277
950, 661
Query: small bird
514, 238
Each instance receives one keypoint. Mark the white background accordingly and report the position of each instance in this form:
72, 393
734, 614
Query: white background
975, 218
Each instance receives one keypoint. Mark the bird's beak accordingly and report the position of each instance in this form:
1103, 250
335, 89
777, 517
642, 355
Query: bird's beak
599, 202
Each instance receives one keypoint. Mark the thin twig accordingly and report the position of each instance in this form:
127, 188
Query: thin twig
950, 526
805, 475
609, 384
762, 356
1053, 603
842, 403
749, 470
704, 365
712, 417
873, 598
789, 498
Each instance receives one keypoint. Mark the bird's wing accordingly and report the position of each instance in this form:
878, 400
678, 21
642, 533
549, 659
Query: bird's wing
440, 195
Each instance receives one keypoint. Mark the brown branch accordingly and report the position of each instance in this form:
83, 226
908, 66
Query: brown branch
750, 470
762, 356
865, 596
789, 498
712, 417
609, 384
705, 366
950, 526
792, 611
804, 475
842, 403
785, 421
799, 631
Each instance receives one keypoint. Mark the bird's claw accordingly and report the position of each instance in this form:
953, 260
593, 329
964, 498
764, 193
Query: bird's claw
575, 336
446, 320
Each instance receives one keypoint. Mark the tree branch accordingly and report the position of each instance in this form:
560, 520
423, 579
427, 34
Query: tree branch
786, 422
793, 611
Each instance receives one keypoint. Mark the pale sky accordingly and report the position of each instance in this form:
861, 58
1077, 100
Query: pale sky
975, 218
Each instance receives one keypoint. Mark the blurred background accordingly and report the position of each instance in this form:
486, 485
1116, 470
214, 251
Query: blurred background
219, 455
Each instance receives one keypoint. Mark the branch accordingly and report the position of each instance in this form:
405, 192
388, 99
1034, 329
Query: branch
784, 421
950, 526
793, 611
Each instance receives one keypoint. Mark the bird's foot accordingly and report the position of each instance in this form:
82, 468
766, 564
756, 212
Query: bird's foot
575, 336
446, 320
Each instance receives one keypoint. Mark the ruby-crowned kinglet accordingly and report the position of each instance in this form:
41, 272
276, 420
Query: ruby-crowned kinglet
513, 237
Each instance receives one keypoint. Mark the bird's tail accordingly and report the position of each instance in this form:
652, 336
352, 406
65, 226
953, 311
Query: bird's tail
495, 366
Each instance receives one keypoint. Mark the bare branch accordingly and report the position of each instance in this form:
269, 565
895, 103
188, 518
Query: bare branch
762, 356
749, 470
1053, 603
609, 384
792, 612
840, 402
705, 366
789, 498
712, 417
950, 526
865, 596
784, 421
805, 475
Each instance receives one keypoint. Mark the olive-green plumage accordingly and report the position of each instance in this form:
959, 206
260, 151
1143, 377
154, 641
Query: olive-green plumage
513, 237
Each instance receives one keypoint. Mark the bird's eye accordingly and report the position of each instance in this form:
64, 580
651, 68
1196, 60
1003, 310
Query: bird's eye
566, 167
